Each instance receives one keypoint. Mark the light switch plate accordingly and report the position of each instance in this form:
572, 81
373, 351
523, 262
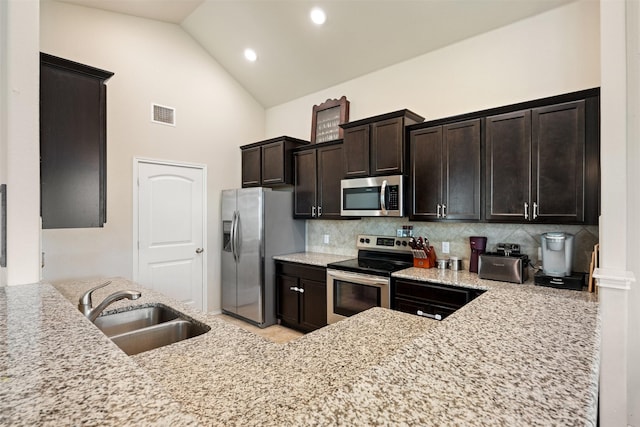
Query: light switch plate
445, 247
326, 239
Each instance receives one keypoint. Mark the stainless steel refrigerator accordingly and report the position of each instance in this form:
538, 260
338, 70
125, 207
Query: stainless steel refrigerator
257, 224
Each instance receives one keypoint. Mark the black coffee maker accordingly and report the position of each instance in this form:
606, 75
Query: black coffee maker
478, 247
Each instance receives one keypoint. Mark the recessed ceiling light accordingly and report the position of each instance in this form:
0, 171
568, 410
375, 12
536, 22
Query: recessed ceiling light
318, 16
250, 54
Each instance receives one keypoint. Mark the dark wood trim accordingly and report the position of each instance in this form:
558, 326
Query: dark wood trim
542, 102
76, 67
318, 145
408, 114
278, 139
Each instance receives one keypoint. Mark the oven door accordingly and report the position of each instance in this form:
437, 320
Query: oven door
350, 293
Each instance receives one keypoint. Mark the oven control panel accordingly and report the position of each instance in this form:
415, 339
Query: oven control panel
383, 243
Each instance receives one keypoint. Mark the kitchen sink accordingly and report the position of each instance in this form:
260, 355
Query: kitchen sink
146, 328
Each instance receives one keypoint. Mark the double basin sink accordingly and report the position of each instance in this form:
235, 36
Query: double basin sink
146, 328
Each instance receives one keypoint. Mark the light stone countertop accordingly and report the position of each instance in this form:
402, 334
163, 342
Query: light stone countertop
312, 258
516, 355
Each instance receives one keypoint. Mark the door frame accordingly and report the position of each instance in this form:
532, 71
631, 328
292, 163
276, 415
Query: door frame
135, 242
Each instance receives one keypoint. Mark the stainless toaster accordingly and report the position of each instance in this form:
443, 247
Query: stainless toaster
495, 266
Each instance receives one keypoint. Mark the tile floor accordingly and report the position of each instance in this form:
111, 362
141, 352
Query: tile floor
276, 333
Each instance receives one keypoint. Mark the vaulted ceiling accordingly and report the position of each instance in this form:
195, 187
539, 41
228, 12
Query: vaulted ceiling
297, 57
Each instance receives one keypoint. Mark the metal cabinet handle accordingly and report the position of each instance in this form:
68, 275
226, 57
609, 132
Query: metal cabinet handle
438, 211
526, 210
430, 316
301, 290
294, 288
199, 250
535, 210
319, 211
313, 211
444, 211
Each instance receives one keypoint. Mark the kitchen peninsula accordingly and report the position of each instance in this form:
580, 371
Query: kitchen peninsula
516, 355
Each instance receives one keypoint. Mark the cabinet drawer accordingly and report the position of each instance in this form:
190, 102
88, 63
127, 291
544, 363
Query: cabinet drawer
423, 309
438, 294
302, 271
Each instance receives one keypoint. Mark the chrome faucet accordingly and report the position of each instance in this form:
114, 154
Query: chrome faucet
86, 307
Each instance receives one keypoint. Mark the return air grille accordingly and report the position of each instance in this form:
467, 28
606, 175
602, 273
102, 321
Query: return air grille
163, 115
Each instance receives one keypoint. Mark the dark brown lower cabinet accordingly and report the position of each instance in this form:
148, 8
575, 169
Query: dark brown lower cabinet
301, 296
432, 300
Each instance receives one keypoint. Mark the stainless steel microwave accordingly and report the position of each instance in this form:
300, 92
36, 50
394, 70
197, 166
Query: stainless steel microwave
375, 196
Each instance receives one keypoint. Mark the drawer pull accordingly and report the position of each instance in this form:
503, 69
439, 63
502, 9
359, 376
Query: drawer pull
429, 315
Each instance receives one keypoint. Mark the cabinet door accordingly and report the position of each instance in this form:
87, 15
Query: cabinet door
387, 148
287, 306
356, 151
313, 310
558, 141
72, 144
251, 166
273, 163
426, 172
461, 168
508, 166
330, 172
304, 193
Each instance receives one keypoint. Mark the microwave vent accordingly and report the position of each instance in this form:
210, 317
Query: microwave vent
163, 115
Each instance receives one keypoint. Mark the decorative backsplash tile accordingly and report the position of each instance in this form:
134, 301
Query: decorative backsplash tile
342, 236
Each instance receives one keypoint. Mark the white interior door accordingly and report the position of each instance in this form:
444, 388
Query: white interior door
171, 230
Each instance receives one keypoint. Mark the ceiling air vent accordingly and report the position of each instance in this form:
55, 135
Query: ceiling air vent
163, 115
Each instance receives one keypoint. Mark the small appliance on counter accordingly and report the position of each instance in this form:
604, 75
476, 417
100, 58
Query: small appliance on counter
478, 247
557, 257
507, 264
557, 253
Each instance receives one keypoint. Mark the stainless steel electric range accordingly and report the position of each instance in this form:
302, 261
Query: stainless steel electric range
358, 284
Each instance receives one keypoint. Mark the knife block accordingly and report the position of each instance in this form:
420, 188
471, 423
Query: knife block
429, 260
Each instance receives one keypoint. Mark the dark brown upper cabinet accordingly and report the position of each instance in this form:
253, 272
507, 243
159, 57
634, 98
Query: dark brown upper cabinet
445, 172
538, 167
73, 139
376, 145
318, 172
269, 163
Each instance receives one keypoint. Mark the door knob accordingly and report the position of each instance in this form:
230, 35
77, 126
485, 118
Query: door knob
199, 250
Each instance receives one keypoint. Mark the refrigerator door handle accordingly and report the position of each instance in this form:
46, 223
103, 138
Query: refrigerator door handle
236, 244
232, 241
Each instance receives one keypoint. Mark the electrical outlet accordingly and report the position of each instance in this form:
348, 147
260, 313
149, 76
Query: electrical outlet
326, 239
445, 247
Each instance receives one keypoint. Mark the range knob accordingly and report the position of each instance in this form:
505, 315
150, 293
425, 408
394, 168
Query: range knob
404, 243
367, 240
362, 240
397, 242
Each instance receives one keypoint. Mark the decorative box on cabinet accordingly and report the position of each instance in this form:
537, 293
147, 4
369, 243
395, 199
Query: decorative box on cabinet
445, 171
318, 172
73, 141
376, 145
301, 296
269, 163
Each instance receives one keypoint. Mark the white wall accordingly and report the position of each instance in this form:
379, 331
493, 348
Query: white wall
549, 54
19, 138
153, 62
633, 207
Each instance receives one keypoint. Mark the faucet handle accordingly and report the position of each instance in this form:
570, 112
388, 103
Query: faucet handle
85, 299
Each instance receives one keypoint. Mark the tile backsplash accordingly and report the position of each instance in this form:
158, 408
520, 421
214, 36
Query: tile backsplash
342, 236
